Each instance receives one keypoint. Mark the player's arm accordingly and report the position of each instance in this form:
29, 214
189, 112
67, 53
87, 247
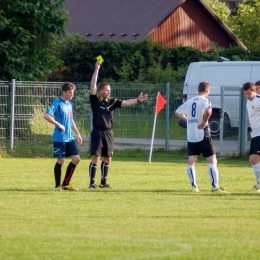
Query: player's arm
206, 117
181, 116
180, 112
74, 127
51, 120
131, 102
93, 85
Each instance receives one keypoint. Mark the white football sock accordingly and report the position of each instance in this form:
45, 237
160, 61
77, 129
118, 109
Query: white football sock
192, 175
213, 175
256, 168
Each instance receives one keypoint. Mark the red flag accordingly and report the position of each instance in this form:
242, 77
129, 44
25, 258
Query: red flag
161, 101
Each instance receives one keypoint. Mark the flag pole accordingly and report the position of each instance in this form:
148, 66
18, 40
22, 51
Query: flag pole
154, 124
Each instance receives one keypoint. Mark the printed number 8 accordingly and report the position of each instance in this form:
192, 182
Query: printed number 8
193, 111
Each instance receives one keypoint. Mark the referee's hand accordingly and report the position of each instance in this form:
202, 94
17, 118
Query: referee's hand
142, 97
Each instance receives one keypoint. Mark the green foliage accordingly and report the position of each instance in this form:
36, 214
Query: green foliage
220, 9
26, 37
250, 2
245, 24
138, 62
33, 45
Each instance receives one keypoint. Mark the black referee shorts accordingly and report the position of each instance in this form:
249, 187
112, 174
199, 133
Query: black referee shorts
102, 143
204, 147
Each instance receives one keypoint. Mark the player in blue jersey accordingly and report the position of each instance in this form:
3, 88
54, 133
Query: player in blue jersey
253, 109
60, 114
103, 109
196, 112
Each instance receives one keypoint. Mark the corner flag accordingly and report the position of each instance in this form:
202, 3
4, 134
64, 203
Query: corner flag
161, 101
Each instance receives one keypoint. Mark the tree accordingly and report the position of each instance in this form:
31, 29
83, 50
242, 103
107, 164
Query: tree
220, 9
26, 37
245, 24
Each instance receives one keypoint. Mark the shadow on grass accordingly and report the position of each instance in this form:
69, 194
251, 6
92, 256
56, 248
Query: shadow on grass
204, 193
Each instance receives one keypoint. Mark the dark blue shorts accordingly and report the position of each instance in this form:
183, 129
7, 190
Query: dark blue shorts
204, 147
255, 145
61, 150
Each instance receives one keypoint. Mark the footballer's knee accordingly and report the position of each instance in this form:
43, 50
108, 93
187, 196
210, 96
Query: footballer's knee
76, 160
107, 160
60, 161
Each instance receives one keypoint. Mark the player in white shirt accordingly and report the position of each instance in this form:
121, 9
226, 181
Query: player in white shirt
196, 112
253, 109
257, 85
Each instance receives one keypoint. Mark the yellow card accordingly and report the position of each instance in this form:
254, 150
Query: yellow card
100, 59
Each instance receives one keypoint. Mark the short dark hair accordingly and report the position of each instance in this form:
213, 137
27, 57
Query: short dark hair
102, 85
249, 86
68, 86
257, 83
203, 86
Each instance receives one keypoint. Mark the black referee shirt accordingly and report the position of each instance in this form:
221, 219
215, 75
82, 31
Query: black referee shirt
103, 111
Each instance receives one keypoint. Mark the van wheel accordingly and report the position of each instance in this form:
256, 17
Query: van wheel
214, 124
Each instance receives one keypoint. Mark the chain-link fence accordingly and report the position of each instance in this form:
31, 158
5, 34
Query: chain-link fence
4, 113
24, 131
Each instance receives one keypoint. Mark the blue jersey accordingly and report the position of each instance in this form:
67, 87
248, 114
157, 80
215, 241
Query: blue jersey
62, 112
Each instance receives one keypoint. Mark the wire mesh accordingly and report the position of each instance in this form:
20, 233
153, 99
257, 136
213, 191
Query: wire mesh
132, 125
4, 113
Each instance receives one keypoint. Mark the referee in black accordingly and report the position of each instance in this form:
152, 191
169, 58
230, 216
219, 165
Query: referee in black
103, 109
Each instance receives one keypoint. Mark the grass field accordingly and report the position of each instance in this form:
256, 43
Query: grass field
150, 213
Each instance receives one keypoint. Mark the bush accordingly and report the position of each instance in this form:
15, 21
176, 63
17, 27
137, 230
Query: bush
139, 62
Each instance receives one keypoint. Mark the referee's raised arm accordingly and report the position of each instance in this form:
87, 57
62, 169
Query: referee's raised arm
93, 85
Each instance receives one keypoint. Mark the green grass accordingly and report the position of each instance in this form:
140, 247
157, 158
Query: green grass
149, 214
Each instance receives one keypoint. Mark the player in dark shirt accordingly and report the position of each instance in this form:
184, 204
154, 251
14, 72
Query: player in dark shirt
102, 139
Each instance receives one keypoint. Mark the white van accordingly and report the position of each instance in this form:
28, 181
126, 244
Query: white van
226, 73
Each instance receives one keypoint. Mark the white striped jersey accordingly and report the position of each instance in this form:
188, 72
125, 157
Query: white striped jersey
253, 108
194, 109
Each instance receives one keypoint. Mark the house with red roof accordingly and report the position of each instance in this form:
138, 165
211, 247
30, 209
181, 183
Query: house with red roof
169, 22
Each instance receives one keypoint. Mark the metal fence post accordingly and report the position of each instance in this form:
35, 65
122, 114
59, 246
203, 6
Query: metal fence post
243, 125
167, 115
221, 134
12, 115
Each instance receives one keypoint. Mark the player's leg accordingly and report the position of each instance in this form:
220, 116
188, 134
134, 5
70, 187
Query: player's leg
191, 171
59, 153
107, 152
95, 152
71, 151
104, 172
213, 171
254, 159
92, 171
256, 169
209, 152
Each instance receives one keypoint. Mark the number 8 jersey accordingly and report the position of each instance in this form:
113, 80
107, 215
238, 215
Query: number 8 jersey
194, 109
